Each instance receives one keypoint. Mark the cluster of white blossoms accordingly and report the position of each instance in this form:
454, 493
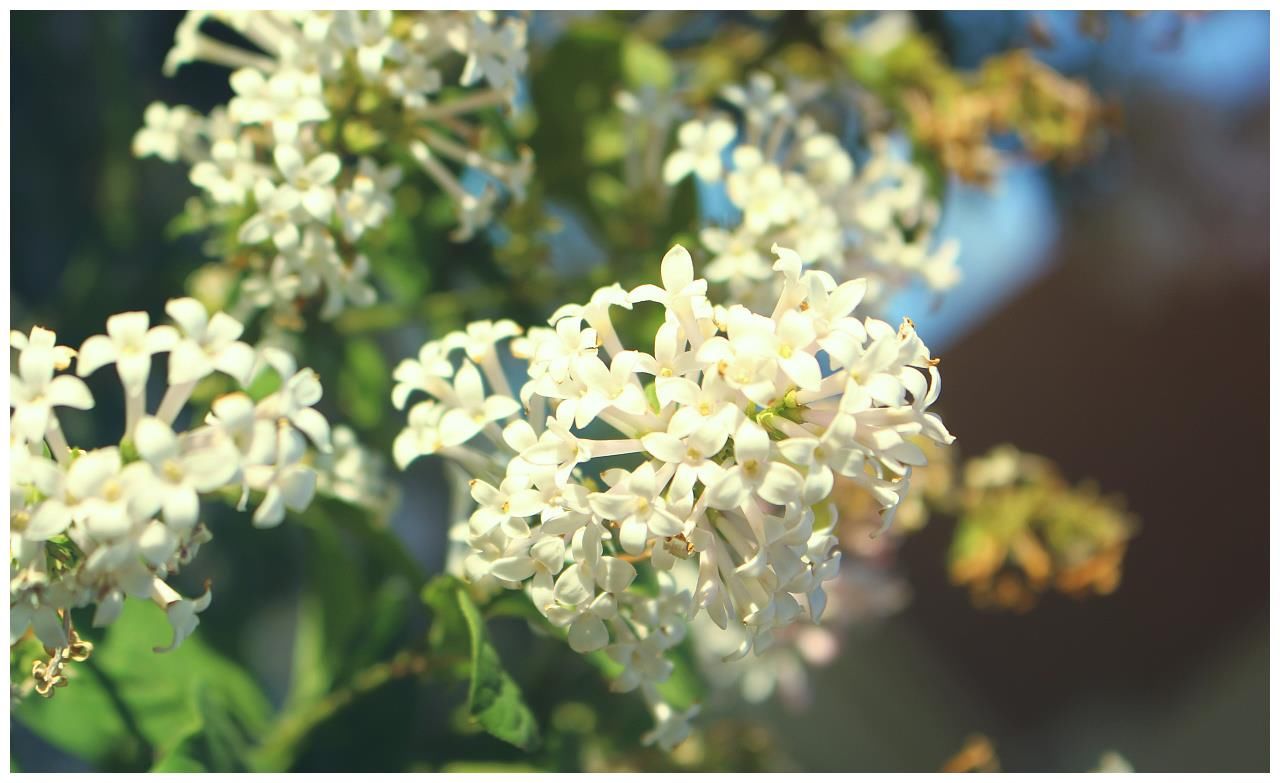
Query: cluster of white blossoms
298, 166
796, 185
716, 451
96, 526
355, 473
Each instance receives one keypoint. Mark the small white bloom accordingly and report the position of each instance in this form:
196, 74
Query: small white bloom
34, 392
207, 344
129, 343
311, 179
701, 144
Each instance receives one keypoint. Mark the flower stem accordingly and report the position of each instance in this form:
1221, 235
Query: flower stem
280, 746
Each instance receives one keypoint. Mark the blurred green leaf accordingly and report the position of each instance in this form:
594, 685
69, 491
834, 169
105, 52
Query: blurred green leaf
363, 385
643, 63
575, 79
448, 636
330, 610
266, 382
129, 708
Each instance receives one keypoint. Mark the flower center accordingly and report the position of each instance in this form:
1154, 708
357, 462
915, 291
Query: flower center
172, 470
111, 491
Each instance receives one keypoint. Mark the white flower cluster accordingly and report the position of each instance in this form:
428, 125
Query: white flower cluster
354, 473
861, 592
95, 526
797, 186
277, 161
719, 447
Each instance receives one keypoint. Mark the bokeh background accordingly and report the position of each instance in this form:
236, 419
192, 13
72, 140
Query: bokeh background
1113, 317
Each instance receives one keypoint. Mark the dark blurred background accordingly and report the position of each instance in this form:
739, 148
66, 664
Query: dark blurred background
1113, 317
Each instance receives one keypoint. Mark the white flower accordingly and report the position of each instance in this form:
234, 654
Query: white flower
754, 472
180, 472
129, 343
540, 565
286, 71
169, 131
369, 32
133, 521
292, 403
515, 498
798, 186
284, 101
473, 408
421, 436
181, 611
603, 387
207, 344
366, 203
279, 212
496, 53
638, 508
758, 100
311, 179
731, 457
97, 495
291, 487
673, 726
35, 391
701, 144
346, 284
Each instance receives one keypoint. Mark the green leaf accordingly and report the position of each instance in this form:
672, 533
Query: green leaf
129, 708
643, 63
494, 700
264, 383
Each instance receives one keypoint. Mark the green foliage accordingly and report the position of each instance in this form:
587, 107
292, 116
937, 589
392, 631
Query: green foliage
129, 709
364, 383
494, 700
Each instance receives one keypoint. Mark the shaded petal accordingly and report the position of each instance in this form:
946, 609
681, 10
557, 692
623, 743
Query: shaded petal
69, 391
50, 518
665, 447
614, 574
587, 634
189, 314
782, 484
573, 586
154, 440
730, 490
457, 426
188, 362
97, 351
181, 508
633, 536
513, 569
314, 425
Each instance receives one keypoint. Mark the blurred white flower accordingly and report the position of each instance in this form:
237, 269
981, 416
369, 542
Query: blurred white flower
284, 76
701, 145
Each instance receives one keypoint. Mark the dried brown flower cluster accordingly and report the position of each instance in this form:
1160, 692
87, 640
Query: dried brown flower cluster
1023, 530
1055, 118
